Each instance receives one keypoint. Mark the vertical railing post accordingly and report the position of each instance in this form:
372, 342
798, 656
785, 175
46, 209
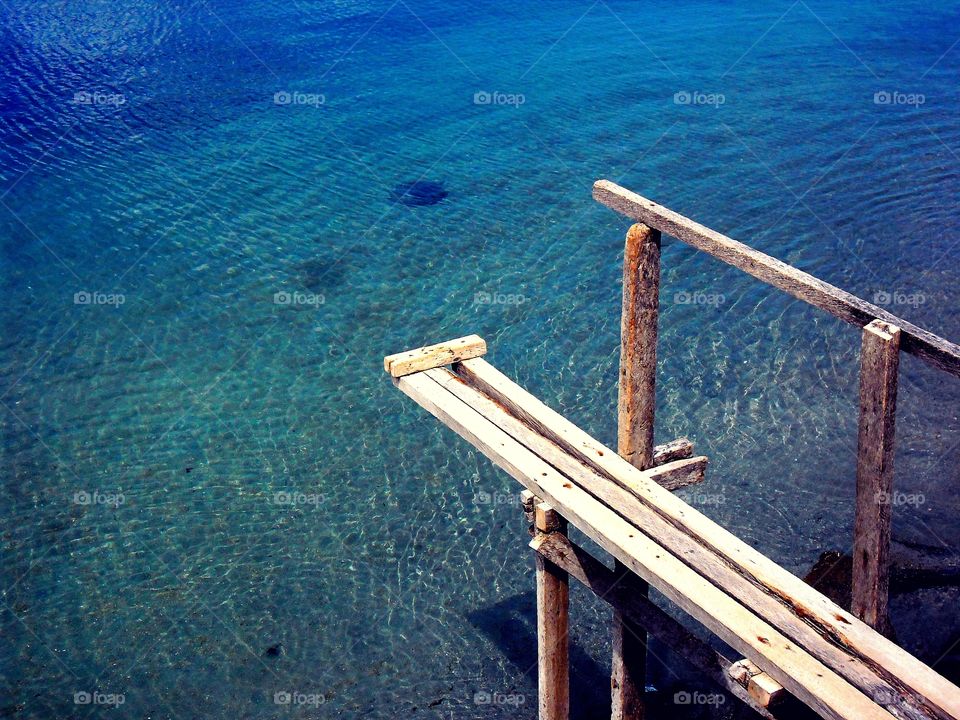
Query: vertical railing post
636, 402
879, 365
553, 624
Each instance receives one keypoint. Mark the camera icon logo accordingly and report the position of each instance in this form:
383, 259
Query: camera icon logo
682, 98
282, 697
482, 97
882, 97
82, 698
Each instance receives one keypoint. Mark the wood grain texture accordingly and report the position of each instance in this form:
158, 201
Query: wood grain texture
553, 623
636, 401
638, 346
601, 580
726, 575
803, 675
425, 358
674, 474
912, 682
926, 345
679, 449
879, 368
764, 690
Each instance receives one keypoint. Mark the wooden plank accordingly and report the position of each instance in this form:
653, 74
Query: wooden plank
911, 681
804, 676
679, 473
727, 576
553, 624
601, 580
672, 475
679, 449
931, 348
764, 690
432, 356
879, 367
635, 415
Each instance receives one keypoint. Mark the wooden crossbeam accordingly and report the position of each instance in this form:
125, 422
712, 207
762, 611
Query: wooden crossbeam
425, 358
931, 348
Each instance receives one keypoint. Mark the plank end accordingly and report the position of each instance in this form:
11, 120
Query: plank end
433, 356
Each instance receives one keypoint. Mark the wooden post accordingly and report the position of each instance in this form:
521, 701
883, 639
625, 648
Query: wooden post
637, 399
879, 364
553, 603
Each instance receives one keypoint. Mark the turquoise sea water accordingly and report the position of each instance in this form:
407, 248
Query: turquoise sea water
213, 494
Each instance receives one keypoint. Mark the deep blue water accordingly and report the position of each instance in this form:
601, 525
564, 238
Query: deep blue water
205, 256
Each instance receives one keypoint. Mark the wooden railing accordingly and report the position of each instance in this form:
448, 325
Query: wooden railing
884, 335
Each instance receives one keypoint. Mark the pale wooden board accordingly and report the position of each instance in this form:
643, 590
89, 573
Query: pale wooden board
896, 666
804, 676
424, 358
924, 344
725, 575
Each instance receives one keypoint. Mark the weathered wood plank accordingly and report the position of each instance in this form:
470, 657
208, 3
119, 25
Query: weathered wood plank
672, 475
425, 358
733, 580
635, 416
638, 346
901, 677
931, 348
601, 580
679, 449
764, 690
553, 624
679, 473
879, 367
804, 676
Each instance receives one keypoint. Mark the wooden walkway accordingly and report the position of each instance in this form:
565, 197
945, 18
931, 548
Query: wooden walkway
794, 643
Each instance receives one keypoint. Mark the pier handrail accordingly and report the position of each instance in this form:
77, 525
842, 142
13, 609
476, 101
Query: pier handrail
929, 347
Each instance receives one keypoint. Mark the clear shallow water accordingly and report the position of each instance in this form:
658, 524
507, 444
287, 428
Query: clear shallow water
392, 585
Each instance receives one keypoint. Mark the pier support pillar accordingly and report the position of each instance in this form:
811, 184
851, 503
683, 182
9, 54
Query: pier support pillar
635, 417
879, 367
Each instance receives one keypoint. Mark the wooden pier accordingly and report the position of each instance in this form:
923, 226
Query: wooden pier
794, 644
